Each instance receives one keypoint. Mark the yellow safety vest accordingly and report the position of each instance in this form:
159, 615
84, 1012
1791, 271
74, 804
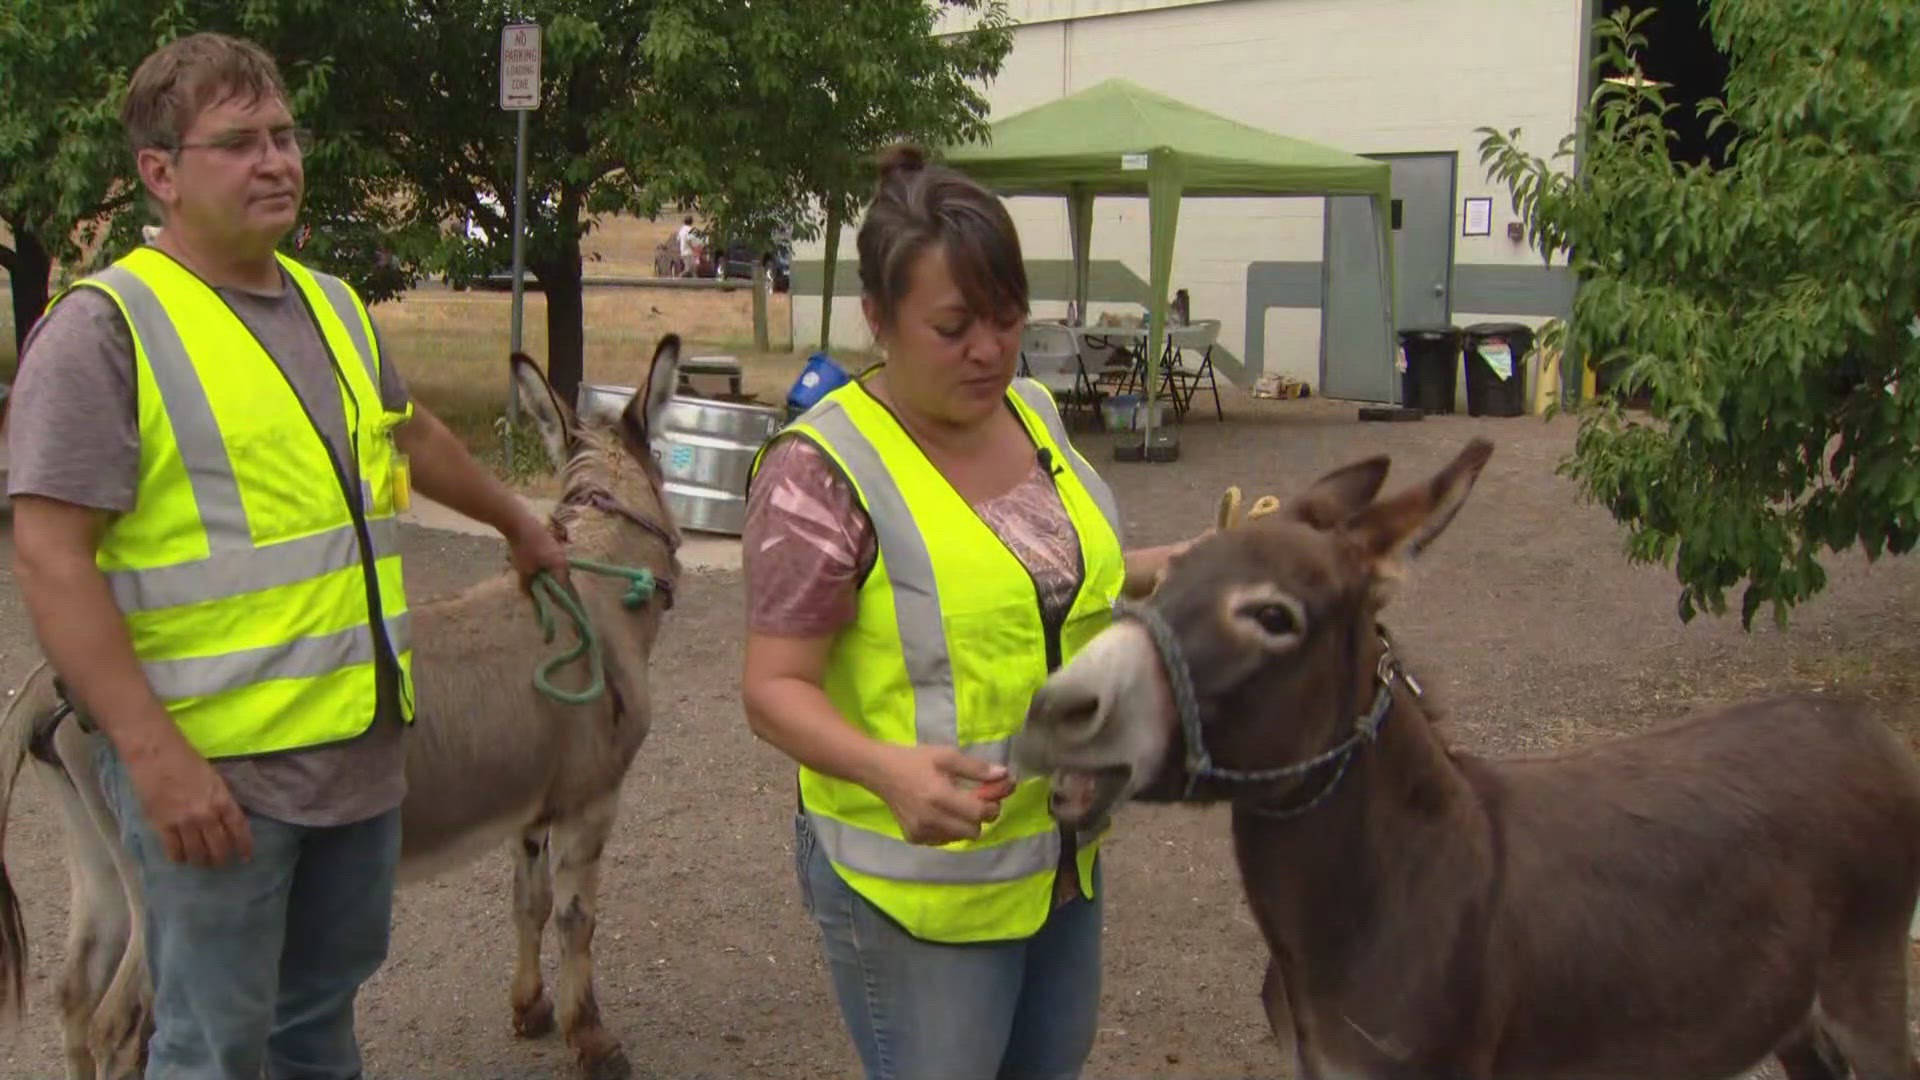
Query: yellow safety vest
948, 648
252, 563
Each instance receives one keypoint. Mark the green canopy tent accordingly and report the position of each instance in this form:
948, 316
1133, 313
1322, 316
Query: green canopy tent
1118, 138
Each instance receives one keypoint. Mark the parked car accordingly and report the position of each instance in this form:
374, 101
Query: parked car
737, 260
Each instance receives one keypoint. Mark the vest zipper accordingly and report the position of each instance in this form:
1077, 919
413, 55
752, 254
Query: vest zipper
1050, 629
1069, 864
1054, 628
385, 659
384, 654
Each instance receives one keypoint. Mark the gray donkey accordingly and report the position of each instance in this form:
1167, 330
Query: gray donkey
552, 770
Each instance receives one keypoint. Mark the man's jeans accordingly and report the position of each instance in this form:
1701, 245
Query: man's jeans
256, 964
1015, 1010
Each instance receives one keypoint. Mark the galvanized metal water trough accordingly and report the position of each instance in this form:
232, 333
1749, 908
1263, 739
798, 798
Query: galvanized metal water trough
705, 449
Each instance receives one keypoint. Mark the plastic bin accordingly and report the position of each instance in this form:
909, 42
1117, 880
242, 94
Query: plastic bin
1432, 353
820, 377
1495, 355
1128, 412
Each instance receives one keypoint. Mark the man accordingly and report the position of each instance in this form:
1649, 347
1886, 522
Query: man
209, 451
689, 250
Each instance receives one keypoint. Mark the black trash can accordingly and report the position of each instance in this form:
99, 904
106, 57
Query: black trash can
1428, 382
1497, 390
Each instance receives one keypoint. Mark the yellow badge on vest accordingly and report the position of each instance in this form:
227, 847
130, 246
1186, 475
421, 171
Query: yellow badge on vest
400, 472
402, 482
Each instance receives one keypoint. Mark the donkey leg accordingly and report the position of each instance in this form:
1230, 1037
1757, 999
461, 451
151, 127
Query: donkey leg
100, 921
107, 897
577, 842
97, 937
1810, 1055
532, 903
123, 1022
1863, 1001
106, 1009
1273, 998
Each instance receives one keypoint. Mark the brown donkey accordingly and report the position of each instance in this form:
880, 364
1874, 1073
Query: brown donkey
1673, 906
490, 762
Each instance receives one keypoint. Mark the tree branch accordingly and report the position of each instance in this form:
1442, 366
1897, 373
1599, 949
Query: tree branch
115, 204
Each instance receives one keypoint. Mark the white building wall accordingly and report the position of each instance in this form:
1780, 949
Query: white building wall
1366, 76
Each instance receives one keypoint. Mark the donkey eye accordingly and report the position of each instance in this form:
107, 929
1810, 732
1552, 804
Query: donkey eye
1277, 620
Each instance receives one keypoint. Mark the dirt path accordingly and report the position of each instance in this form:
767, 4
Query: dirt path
1524, 618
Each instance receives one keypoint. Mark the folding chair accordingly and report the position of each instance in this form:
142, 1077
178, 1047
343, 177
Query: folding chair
1050, 354
1184, 381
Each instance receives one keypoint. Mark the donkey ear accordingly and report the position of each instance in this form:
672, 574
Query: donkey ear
642, 415
1393, 532
1341, 493
551, 417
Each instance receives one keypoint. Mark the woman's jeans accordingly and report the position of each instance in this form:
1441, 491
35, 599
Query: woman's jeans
1015, 1010
256, 964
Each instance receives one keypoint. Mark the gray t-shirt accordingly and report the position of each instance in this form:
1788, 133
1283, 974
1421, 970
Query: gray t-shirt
73, 435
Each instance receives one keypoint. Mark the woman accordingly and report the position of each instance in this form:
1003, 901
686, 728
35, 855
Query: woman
922, 548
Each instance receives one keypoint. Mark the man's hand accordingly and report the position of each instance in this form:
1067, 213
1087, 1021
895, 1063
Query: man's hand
188, 805
445, 472
532, 548
1147, 567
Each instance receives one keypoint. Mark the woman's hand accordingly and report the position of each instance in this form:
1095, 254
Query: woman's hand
936, 793
1147, 566
929, 789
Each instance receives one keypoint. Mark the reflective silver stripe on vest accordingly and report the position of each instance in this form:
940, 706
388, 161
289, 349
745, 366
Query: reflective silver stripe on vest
203, 676
909, 567
236, 572
210, 475
337, 295
993, 751
883, 856
1040, 400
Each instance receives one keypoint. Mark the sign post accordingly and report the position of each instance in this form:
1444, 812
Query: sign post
519, 93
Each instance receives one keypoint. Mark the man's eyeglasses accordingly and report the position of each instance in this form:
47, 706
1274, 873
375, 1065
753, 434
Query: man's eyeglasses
251, 145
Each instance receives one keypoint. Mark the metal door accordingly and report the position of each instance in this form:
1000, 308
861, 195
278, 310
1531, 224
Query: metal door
1351, 362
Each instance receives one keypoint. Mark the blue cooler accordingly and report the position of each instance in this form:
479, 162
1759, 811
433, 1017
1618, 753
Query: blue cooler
819, 378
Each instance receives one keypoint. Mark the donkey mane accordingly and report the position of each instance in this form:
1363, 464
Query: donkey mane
583, 475
596, 460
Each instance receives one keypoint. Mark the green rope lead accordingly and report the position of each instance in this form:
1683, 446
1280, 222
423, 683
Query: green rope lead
547, 593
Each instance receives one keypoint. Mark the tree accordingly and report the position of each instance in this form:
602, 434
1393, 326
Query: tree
60, 148
707, 102
750, 109
1766, 308
822, 87
68, 190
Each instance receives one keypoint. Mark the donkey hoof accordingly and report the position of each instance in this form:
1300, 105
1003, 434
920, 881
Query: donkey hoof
533, 1021
610, 1065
